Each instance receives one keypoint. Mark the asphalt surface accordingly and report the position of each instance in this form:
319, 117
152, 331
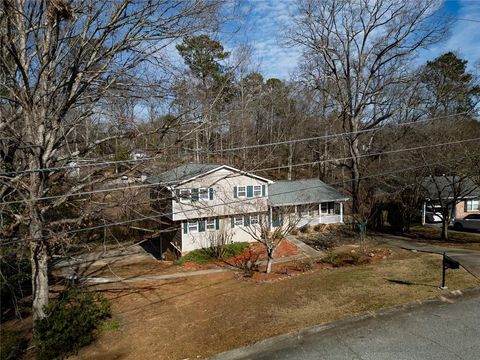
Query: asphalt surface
448, 329
468, 259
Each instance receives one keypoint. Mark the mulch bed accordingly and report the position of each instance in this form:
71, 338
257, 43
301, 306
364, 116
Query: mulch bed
249, 257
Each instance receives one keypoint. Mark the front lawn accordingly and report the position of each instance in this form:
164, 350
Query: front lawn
469, 240
199, 316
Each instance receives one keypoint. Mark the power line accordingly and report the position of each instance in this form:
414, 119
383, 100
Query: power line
464, 19
256, 146
125, 222
53, 197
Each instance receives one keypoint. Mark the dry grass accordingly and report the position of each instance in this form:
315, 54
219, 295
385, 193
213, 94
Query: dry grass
204, 315
433, 233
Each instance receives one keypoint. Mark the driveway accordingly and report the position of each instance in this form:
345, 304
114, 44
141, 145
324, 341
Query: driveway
448, 329
468, 259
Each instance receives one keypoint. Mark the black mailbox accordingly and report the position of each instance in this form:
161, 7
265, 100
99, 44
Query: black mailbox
449, 263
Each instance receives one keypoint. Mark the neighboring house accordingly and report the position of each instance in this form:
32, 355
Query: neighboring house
446, 190
201, 200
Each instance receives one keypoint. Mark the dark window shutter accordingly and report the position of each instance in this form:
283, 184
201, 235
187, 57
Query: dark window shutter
217, 223
465, 206
264, 191
195, 194
177, 192
233, 221
249, 191
185, 227
235, 192
201, 225
210, 193
246, 220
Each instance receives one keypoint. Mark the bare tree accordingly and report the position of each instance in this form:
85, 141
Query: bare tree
447, 192
217, 241
356, 55
58, 61
261, 228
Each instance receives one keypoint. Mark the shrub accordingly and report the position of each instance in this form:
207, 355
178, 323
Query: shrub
318, 227
235, 249
203, 256
331, 258
294, 231
306, 229
71, 322
12, 344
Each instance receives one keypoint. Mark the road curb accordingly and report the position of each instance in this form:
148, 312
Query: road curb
290, 338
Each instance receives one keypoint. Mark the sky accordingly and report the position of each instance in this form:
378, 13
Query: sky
264, 22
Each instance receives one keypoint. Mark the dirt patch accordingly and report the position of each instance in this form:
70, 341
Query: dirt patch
200, 316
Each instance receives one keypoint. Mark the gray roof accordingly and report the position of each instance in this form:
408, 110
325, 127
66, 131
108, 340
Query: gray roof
182, 173
448, 186
297, 192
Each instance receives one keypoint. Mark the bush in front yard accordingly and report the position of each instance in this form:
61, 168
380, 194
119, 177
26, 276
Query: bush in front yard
71, 322
203, 256
306, 229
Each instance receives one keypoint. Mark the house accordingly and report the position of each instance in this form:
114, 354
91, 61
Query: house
460, 194
200, 201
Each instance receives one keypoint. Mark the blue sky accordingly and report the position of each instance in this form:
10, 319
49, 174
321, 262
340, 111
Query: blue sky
264, 25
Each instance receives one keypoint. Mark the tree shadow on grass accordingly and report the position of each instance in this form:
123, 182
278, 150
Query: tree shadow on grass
408, 283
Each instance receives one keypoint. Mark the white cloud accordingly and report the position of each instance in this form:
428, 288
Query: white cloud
264, 30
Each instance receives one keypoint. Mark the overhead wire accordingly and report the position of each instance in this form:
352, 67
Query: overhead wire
73, 166
125, 222
123, 188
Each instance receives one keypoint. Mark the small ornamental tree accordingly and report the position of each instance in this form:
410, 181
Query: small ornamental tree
262, 229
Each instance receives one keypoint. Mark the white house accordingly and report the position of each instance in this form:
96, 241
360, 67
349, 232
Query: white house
200, 200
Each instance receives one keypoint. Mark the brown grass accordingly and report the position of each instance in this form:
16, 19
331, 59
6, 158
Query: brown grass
200, 316
431, 232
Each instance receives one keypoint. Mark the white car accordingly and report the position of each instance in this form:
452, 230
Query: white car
469, 222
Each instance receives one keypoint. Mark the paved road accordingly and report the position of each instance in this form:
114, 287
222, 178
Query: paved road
435, 330
468, 259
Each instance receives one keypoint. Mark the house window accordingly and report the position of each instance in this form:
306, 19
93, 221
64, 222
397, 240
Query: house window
238, 221
257, 190
471, 205
242, 191
185, 195
324, 208
203, 194
210, 224
254, 219
192, 226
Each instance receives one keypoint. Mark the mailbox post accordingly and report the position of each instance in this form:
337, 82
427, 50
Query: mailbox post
447, 263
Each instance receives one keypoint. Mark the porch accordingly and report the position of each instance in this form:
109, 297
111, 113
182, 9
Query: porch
306, 202
308, 214
322, 213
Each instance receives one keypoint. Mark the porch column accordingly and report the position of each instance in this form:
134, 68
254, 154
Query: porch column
424, 211
320, 212
271, 218
341, 212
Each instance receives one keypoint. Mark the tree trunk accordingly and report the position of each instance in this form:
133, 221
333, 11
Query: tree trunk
444, 235
269, 263
355, 176
39, 263
270, 250
290, 161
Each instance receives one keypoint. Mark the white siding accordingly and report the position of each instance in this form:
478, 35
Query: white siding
198, 240
223, 182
